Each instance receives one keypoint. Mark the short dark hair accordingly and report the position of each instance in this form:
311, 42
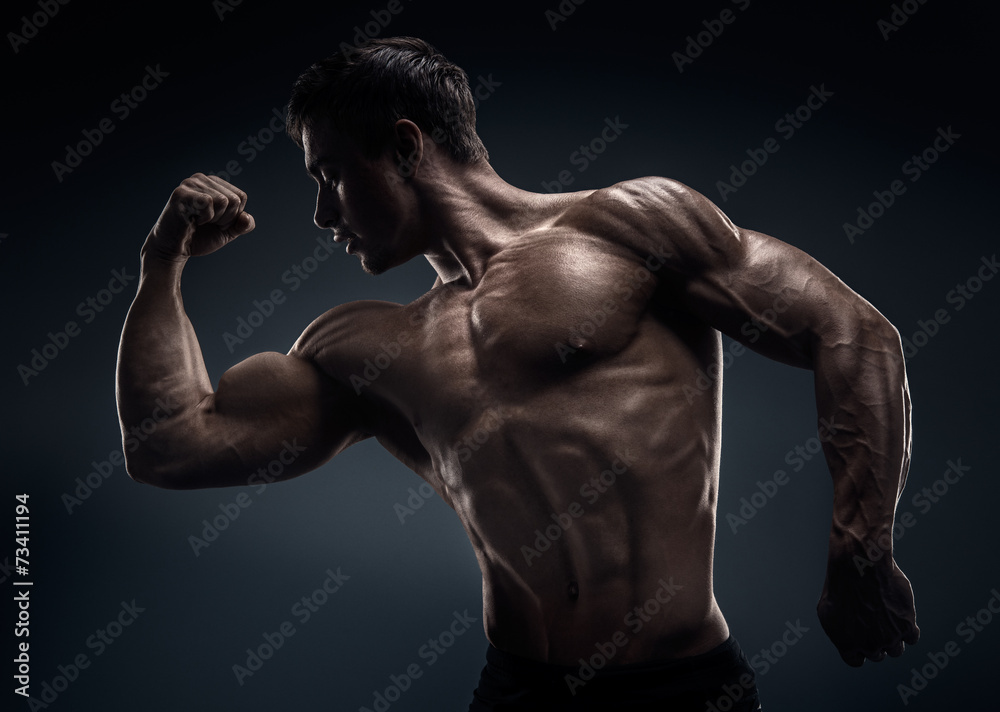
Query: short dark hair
364, 90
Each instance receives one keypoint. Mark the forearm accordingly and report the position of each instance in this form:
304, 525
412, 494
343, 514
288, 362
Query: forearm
866, 607
862, 394
161, 376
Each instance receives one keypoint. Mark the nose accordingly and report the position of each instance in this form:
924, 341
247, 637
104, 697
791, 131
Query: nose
326, 215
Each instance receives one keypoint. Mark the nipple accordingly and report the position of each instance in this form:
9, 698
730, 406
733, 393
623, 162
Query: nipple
579, 343
576, 349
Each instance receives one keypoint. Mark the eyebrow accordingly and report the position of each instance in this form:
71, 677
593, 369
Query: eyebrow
313, 167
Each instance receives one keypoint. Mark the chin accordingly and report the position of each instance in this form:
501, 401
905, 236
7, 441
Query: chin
378, 258
372, 269
376, 263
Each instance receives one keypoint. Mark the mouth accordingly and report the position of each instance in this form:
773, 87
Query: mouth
345, 236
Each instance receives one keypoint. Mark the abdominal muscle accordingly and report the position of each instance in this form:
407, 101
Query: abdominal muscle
586, 533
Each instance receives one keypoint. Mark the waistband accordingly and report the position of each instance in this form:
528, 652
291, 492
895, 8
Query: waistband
727, 652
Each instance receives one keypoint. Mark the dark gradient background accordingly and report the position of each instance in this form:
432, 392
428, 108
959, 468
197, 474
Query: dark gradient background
61, 241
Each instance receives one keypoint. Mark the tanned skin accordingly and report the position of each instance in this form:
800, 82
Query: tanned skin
497, 348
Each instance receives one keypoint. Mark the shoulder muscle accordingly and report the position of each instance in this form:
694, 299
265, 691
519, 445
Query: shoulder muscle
655, 215
341, 326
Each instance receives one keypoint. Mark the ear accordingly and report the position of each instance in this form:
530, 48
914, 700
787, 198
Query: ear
409, 147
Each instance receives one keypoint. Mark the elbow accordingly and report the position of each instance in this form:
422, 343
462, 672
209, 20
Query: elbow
164, 457
145, 473
859, 332
149, 468
877, 343
138, 468
884, 335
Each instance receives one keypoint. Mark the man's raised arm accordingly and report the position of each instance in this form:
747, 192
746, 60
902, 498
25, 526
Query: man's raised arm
780, 302
177, 432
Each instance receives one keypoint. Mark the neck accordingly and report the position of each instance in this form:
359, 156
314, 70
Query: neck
475, 213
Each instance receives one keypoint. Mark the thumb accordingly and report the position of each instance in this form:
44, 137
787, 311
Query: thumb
243, 224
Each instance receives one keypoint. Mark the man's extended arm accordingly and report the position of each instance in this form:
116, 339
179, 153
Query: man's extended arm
782, 303
178, 432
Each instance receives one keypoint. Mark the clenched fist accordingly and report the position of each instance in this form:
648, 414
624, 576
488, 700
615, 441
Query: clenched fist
203, 214
868, 614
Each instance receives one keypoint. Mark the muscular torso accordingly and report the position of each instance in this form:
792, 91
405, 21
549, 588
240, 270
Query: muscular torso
555, 406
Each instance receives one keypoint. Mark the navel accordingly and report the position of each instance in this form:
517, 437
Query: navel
573, 590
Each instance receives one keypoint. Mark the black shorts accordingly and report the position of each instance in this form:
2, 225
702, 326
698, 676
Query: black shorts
720, 680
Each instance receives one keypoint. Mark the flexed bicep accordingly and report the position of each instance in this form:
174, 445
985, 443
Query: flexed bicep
273, 414
179, 432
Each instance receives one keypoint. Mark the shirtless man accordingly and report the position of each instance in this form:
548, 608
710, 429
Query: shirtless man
563, 338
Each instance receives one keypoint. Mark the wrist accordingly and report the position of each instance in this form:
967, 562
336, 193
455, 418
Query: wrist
160, 272
871, 546
152, 258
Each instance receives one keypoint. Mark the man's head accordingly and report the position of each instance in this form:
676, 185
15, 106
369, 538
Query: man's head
364, 91
364, 114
